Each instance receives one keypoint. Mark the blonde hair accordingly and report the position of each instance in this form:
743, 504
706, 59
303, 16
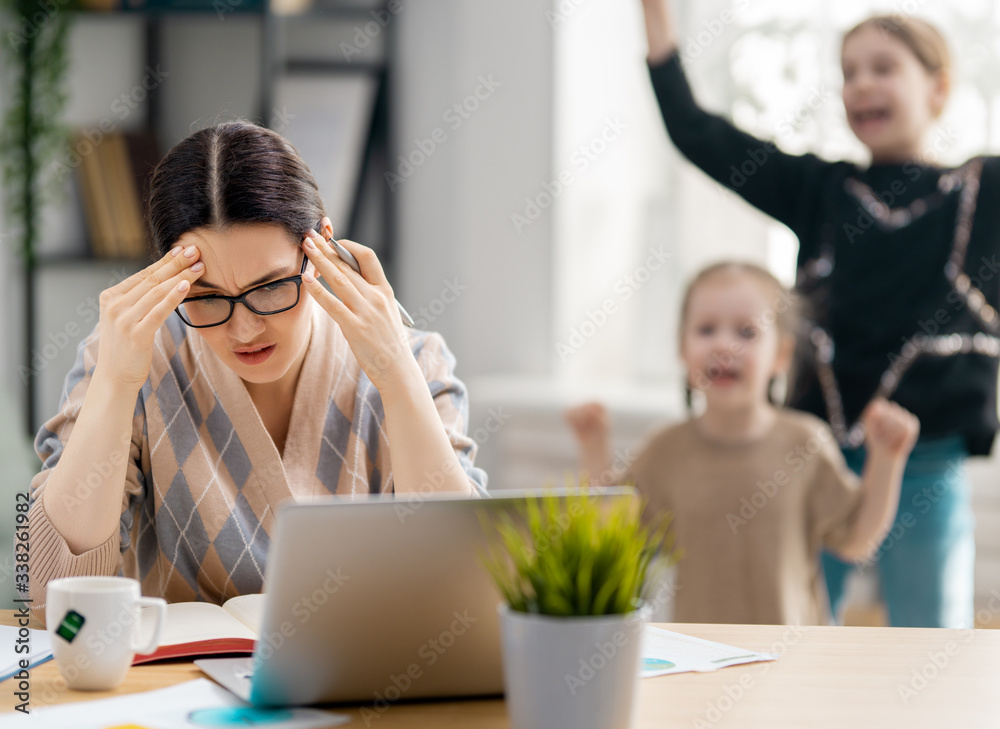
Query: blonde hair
782, 313
783, 306
923, 39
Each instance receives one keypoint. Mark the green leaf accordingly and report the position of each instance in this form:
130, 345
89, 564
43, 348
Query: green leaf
571, 555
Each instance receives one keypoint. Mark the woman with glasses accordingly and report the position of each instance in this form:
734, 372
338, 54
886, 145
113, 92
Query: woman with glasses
225, 379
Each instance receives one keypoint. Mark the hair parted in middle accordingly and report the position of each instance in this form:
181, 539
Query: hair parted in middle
231, 174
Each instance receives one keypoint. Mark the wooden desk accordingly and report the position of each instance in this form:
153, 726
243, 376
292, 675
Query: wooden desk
845, 678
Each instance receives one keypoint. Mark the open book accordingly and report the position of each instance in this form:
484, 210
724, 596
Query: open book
204, 629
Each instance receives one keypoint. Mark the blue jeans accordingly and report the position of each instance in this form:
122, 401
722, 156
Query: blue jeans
925, 564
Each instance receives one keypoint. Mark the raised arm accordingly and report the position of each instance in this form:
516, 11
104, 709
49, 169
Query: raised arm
892, 432
589, 423
660, 33
784, 186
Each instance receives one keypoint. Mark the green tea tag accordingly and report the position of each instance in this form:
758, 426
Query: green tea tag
70, 626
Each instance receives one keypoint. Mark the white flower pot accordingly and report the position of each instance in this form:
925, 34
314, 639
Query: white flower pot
578, 673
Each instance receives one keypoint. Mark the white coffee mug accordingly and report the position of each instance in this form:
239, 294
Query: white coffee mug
94, 626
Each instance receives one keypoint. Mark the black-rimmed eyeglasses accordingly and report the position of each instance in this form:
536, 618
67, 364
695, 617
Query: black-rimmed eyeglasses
270, 298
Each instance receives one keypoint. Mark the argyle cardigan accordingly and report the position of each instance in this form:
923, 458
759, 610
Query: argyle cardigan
204, 477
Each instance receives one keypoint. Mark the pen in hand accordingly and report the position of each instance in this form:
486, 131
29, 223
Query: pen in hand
347, 257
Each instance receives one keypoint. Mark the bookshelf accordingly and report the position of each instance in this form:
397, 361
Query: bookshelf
363, 201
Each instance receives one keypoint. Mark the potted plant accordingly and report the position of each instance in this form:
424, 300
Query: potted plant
571, 568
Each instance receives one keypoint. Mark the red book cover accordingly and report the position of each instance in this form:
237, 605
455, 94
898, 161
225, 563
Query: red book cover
194, 629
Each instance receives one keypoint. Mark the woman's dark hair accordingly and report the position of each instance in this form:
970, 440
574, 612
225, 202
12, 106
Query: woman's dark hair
230, 174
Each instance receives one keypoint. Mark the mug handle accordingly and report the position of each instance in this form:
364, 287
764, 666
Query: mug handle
161, 617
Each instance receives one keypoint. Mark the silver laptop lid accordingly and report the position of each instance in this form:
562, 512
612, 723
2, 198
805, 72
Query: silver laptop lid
380, 600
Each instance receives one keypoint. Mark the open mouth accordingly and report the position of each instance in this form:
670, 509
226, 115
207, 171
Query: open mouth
254, 356
722, 375
869, 117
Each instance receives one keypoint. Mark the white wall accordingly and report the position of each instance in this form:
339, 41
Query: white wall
455, 208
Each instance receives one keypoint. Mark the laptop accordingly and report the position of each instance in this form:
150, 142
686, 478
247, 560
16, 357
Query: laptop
378, 600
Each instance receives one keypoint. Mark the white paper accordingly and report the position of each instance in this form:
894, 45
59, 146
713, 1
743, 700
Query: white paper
188, 622
190, 704
10, 660
666, 652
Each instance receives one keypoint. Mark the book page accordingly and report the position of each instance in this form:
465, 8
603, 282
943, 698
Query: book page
188, 622
248, 609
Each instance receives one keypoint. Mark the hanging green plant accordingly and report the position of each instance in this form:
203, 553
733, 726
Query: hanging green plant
34, 41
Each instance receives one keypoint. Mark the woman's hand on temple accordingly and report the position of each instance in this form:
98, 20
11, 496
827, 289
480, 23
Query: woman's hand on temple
133, 310
364, 306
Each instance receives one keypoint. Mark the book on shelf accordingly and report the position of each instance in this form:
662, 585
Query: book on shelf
204, 629
96, 202
113, 176
125, 206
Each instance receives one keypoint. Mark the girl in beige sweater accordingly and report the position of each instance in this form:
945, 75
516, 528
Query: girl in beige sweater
756, 490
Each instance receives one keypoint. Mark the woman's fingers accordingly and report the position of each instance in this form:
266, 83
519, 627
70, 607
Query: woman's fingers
329, 248
329, 303
368, 268
161, 301
344, 282
133, 310
129, 283
371, 267
165, 296
165, 269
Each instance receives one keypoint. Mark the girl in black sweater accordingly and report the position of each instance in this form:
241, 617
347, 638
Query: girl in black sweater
898, 263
